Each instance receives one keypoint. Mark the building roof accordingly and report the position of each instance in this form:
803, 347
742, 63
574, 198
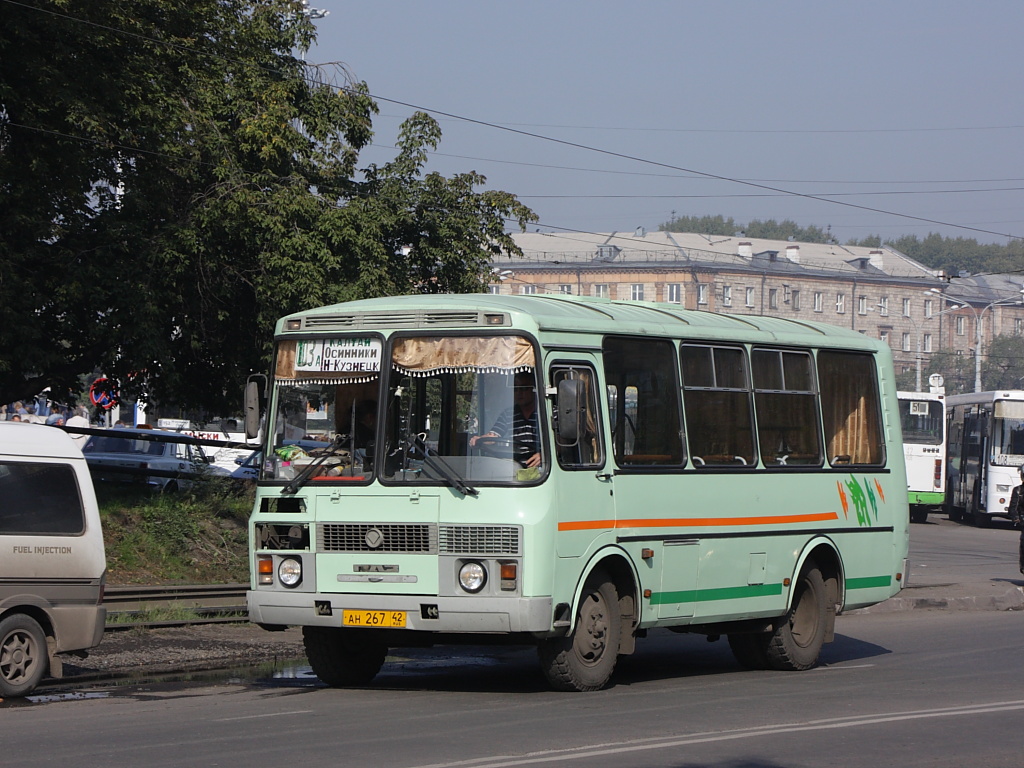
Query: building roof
659, 249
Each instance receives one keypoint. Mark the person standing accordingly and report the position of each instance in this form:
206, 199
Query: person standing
79, 419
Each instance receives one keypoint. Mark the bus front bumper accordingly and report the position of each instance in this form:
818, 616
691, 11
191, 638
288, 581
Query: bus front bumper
423, 613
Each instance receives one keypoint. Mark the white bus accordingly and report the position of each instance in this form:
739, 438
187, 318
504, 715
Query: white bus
923, 418
986, 450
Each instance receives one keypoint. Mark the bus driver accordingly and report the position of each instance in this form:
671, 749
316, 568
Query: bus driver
519, 424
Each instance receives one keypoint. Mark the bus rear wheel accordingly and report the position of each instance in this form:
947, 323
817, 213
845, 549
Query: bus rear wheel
23, 655
585, 659
340, 659
797, 640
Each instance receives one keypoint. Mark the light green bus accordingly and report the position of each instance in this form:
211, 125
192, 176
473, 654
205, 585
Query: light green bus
570, 473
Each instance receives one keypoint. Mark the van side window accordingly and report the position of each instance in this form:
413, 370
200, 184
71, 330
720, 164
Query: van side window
851, 409
643, 402
40, 498
787, 408
716, 396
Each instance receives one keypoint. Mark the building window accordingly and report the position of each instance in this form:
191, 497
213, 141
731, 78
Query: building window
819, 301
906, 342
840, 303
601, 290
528, 290
727, 295
702, 293
1018, 326
566, 289
674, 293
883, 306
862, 305
960, 326
928, 308
906, 307
795, 300
750, 297
927, 342
495, 289
636, 291
883, 336
773, 298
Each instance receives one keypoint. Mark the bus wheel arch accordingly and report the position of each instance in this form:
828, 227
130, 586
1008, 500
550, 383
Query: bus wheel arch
797, 637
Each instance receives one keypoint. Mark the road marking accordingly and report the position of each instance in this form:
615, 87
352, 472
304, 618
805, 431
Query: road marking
269, 714
640, 745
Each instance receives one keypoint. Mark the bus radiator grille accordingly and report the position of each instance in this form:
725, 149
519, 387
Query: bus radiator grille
418, 538
479, 540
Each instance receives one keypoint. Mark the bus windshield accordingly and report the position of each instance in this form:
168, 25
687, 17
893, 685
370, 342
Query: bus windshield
922, 421
458, 410
462, 409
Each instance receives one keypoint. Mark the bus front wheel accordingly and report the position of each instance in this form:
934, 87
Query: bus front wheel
584, 660
340, 659
796, 642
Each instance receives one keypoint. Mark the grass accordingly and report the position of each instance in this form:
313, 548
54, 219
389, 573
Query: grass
196, 536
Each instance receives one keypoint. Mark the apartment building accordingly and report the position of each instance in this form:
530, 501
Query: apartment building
876, 291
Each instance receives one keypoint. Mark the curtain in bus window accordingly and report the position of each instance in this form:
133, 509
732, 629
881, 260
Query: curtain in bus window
425, 356
787, 408
716, 397
851, 409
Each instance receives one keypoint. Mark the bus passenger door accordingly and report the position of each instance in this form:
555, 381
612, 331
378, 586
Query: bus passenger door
585, 507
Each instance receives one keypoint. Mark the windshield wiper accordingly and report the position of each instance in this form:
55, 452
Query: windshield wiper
303, 477
435, 461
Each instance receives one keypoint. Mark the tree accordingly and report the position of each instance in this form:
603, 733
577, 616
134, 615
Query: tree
173, 178
1003, 365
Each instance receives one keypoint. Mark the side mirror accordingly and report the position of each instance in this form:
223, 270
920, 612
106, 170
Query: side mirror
568, 402
254, 398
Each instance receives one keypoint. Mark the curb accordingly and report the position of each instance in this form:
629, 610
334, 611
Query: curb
992, 598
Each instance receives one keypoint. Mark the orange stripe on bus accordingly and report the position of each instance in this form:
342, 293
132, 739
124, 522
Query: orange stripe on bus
586, 525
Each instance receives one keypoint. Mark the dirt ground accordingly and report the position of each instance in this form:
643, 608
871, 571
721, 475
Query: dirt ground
129, 653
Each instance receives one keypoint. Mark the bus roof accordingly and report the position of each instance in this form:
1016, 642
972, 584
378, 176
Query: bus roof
985, 397
564, 313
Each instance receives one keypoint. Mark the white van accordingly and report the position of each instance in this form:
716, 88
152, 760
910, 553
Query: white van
52, 563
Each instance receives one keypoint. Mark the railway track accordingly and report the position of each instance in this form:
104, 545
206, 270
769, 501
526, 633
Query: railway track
136, 607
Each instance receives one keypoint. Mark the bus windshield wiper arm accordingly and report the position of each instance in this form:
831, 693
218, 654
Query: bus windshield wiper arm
441, 467
303, 477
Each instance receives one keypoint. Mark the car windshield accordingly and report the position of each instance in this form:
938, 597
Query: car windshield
103, 444
443, 410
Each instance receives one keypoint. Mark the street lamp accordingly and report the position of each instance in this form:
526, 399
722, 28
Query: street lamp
978, 316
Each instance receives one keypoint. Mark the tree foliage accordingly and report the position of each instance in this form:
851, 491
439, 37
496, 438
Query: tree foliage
174, 177
765, 230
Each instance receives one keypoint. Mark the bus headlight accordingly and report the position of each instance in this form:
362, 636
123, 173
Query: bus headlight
472, 576
289, 572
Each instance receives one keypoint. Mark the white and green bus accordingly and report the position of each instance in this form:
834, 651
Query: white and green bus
923, 419
571, 473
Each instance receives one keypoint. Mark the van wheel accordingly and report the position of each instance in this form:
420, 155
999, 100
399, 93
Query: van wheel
339, 659
23, 655
584, 660
796, 642
171, 487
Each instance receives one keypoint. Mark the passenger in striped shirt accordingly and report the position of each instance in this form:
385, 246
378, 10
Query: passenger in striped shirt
519, 424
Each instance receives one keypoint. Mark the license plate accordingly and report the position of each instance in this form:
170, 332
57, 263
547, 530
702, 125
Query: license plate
373, 618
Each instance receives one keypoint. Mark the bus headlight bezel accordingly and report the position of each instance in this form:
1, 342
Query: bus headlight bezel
472, 576
289, 572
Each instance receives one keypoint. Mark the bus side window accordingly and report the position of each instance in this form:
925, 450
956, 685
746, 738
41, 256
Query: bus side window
851, 409
787, 408
643, 390
716, 396
587, 450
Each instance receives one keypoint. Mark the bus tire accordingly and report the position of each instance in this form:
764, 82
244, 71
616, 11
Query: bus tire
918, 515
338, 659
751, 649
585, 659
796, 642
23, 655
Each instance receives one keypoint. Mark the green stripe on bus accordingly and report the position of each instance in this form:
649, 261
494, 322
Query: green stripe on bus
724, 593
869, 582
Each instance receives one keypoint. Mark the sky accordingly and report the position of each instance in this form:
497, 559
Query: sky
609, 116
